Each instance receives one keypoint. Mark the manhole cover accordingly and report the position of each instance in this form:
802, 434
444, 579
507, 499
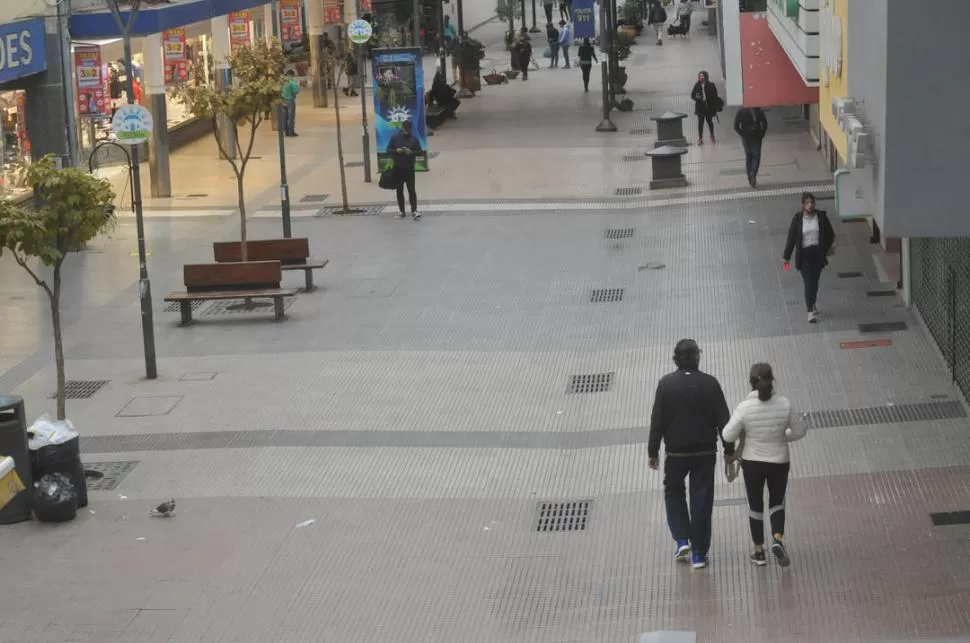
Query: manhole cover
314, 198
920, 412
81, 389
629, 191
882, 327
853, 274
111, 474
619, 233
237, 306
563, 516
591, 383
607, 295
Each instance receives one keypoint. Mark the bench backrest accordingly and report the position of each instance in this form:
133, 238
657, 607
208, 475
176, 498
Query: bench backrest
286, 251
251, 275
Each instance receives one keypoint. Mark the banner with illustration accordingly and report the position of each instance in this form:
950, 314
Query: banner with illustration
239, 35
175, 57
291, 23
584, 19
91, 81
399, 97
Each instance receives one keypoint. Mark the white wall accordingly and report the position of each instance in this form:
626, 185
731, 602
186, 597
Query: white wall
14, 10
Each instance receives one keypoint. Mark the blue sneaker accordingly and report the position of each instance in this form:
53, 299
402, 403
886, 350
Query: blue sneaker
683, 551
698, 560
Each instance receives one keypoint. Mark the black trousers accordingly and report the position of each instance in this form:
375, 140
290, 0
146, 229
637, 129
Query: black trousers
700, 124
548, 8
405, 177
685, 20
565, 9
813, 262
690, 523
585, 69
757, 476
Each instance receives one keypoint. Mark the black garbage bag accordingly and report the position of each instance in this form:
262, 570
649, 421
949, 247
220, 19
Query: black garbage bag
62, 458
55, 498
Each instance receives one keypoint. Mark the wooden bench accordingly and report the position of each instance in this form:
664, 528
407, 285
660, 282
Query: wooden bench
218, 281
293, 254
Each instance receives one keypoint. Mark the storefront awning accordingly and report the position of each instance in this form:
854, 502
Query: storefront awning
86, 25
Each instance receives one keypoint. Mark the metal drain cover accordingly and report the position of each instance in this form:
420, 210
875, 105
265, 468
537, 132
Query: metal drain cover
607, 295
628, 191
591, 383
563, 516
81, 389
111, 474
619, 233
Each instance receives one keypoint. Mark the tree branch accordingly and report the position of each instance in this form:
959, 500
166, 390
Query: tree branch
132, 15
40, 282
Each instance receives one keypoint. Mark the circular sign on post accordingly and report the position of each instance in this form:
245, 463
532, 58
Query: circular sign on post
132, 124
359, 32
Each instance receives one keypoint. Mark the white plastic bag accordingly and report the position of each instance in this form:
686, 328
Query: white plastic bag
45, 432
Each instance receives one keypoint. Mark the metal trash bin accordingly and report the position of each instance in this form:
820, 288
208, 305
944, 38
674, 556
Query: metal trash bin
13, 443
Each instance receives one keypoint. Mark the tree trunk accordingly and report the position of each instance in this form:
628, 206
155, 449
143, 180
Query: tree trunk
55, 299
340, 148
241, 195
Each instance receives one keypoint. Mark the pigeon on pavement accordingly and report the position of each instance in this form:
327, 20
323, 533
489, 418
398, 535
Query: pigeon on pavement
165, 509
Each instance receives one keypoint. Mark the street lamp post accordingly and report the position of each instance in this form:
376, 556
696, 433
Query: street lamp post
606, 125
522, 9
361, 68
535, 29
144, 284
280, 119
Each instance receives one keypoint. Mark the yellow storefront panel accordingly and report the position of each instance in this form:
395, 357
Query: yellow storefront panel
833, 75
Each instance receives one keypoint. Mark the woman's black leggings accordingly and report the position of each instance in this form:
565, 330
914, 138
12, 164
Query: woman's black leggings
758, 475
700, 124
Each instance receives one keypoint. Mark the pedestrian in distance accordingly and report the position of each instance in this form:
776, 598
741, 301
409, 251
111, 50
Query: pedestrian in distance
523, 51
404, 146
707, 104
657, 18
565, 41
565, 9
587, 55
353, 81
689, 412
290, 90
751, 125
812, 239
764, 423
684, 11
552, 41
547, 6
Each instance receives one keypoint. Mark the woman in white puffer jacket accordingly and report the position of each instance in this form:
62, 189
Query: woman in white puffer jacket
765, 423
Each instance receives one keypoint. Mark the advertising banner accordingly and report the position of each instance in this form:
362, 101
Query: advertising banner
332, 14
584, 19
399, 97
238, 29
291, 27
175, 56
91, 80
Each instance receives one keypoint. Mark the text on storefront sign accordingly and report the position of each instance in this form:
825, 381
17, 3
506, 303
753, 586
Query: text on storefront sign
22, 50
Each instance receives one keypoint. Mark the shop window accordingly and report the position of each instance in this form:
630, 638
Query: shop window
14, 145
748, 6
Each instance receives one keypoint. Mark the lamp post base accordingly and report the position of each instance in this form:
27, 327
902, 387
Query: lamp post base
606, 125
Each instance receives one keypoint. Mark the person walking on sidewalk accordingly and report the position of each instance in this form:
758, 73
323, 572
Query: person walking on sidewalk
552, 40
684, 10
523, 52
404, 145
706, 105
812, 239
751, 125
565, 41
565, 9
290, 89
350, 67
547, 6
587, 55
657, 18
689, 412
765, 423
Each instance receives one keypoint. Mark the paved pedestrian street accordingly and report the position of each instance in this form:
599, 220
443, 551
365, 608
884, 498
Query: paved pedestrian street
379, 466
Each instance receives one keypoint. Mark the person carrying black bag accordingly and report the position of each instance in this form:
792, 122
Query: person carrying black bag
812, 239
404, 146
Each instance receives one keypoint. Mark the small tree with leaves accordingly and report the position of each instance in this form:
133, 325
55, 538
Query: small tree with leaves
257, 73
70, 208
335, 63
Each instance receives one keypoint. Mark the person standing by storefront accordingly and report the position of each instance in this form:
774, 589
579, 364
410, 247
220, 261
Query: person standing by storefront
290, 90
552, 41
689, 412
587, 55
565, 41
751, 125
812, 239
404, 146
706, 105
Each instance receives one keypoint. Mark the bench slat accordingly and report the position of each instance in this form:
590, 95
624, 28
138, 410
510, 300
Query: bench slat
286, 251
230, 294
312, 264
215, 277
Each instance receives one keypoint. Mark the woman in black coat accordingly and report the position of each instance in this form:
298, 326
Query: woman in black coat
706, 104
812, 239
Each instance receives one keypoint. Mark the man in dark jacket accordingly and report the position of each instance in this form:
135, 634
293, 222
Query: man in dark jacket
752, 126
689, 413
404, 146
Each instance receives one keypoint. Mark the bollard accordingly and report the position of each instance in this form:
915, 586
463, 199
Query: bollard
667, 172
670, 129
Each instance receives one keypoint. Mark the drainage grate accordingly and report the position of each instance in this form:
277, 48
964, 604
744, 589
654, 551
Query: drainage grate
81, 389
633, 158
314, 198
112, 473
174, 307
591, 383
640, 131
227, 307
607, 295
921, 412
628, 191
730, 502
653, 265
563, 516
854, 274
880, 293
882, 327
196, 196
948, 518
364, 211
619, 233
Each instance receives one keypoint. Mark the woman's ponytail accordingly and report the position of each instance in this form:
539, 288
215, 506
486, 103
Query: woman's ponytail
762, 380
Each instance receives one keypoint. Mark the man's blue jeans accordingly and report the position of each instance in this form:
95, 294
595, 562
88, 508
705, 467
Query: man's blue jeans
693, 524
565, 54
290, 126
752, 155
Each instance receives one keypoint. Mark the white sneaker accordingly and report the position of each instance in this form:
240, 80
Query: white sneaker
416, 215
812, 317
